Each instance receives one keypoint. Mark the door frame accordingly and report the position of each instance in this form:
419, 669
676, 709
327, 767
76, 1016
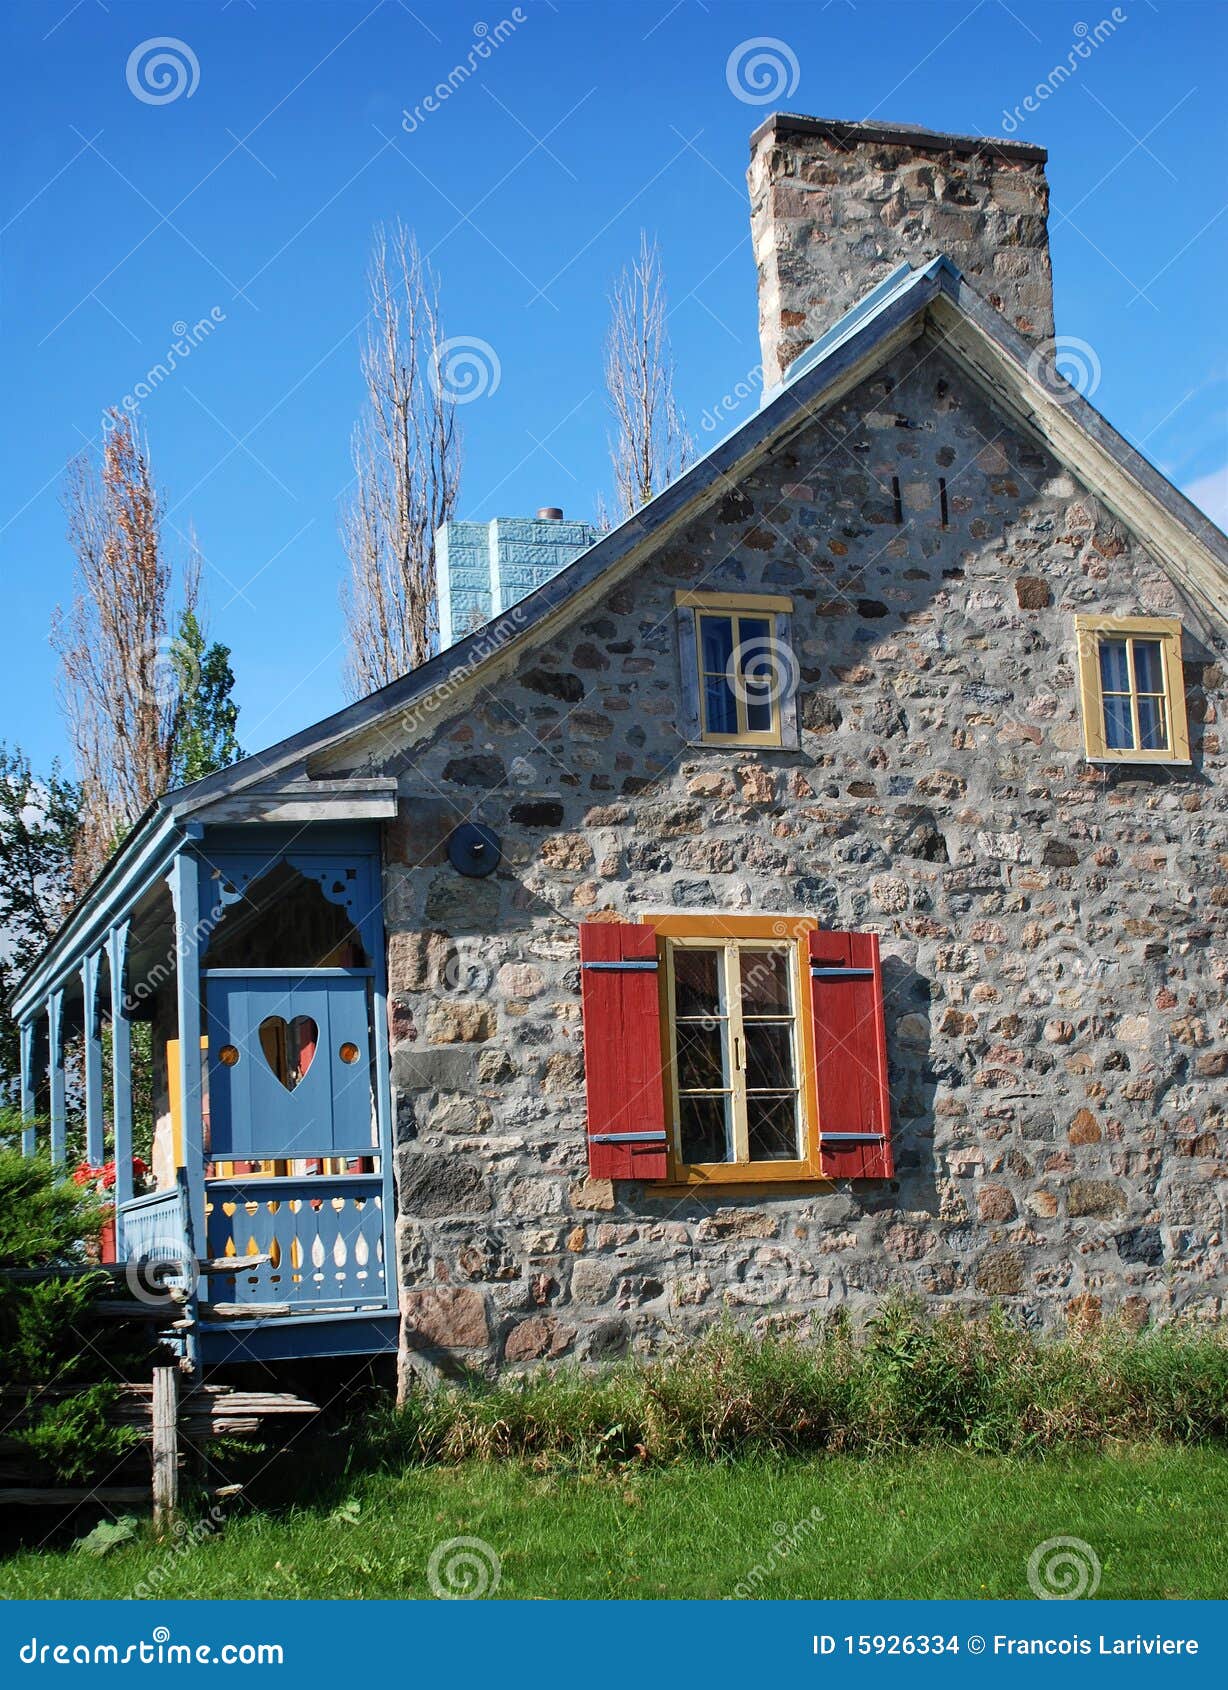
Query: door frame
252, 848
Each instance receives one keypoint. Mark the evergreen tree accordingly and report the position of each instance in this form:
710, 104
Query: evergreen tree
204, 736
39, 820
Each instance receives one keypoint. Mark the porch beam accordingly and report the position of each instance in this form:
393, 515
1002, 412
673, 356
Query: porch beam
95, 1147
55, 1074
121, 1068
28, 1136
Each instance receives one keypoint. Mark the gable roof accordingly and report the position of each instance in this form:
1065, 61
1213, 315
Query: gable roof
284, 782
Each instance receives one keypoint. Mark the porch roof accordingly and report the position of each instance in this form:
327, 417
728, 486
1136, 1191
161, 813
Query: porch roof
138, 864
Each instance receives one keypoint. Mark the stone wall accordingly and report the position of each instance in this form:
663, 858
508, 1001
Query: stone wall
1054, 994
835, 207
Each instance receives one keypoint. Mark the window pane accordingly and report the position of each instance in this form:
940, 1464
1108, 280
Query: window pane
769, 1055
1151, 730
701, 1055
715, 643
771, 1126
1114, 668
1118, 728
765, 983
697, 982
720, 707
1148, 666
758, 711
754, 631
705, 1132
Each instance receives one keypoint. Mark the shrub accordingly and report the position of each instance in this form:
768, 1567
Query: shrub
52, 1344
987, 1385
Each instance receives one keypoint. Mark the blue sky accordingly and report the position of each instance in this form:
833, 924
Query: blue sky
253, 198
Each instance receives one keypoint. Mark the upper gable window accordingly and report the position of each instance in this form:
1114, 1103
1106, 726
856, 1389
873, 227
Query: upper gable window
739, 674
1133, 689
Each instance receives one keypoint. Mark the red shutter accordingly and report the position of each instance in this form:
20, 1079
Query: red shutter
622, 1051
850, 1043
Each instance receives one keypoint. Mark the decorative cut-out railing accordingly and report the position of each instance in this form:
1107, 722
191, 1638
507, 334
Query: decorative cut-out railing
323, 1236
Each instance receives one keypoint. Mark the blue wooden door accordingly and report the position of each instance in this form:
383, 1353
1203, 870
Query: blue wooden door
289, 1064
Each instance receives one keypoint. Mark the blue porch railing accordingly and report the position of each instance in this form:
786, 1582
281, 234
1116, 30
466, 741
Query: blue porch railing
323, 1235
154, 1227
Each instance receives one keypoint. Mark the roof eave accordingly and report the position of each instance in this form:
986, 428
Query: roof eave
122, 881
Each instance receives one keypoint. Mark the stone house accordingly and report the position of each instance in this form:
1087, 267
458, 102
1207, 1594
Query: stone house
810, 889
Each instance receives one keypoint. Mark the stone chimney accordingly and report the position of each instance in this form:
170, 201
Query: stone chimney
835, 207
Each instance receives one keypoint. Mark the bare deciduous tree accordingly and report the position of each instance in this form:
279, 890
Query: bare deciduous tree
651, 446
406, 452
121, 684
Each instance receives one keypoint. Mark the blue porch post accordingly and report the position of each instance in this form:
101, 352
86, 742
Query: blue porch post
95, 1146
185, 890
383, 1115
55, 1066
121, 1070
28, 1141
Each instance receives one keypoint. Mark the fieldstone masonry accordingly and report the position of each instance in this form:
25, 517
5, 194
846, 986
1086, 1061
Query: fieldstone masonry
1052, 932
835, 207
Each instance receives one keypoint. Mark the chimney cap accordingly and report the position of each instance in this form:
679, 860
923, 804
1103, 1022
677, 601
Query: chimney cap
550, 513
845, 133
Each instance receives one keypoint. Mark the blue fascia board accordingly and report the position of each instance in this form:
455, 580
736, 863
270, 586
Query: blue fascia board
287, 1338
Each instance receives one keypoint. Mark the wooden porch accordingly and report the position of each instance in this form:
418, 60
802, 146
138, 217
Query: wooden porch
256, 953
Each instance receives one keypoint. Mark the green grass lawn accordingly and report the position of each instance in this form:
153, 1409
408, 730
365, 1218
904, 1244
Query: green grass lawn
922, 1524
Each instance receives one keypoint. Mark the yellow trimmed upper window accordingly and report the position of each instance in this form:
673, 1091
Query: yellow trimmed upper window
738, 1047
740, 676
1133, 690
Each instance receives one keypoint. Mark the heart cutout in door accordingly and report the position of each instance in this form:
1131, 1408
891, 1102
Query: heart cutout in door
289, 1046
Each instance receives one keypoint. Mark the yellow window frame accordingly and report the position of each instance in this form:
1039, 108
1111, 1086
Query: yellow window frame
733, 607
1090, 632
782, 932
